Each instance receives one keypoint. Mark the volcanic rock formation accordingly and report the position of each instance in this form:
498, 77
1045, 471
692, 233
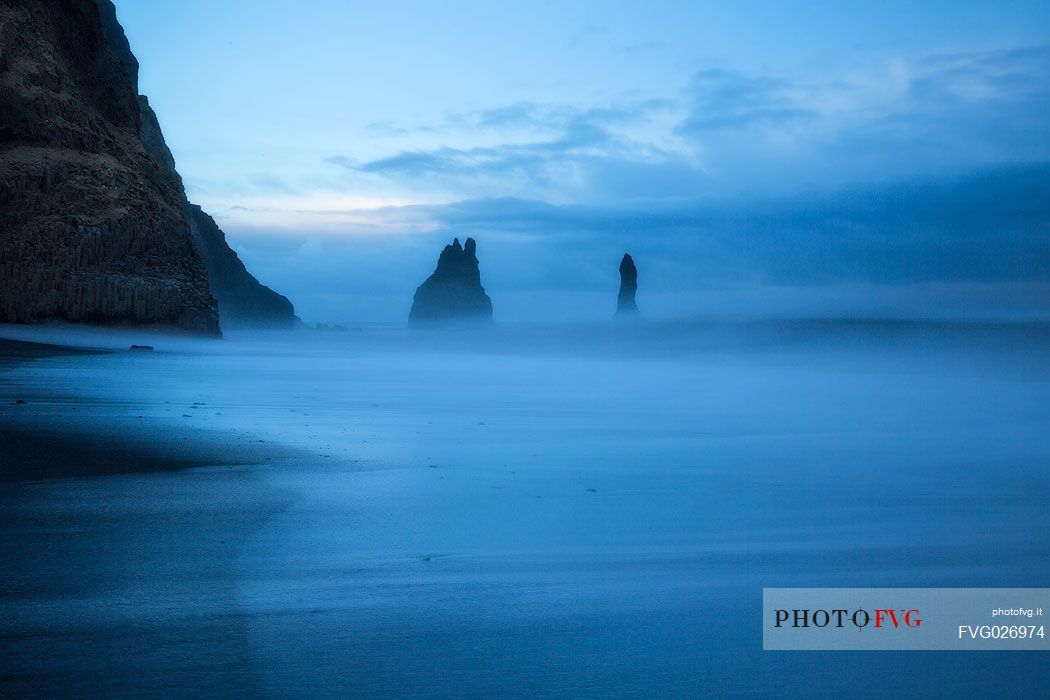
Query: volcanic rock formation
94, 223
625, 303
454, 292
243, 300
92, 228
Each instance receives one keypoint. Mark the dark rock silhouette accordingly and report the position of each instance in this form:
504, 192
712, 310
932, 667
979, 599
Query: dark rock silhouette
96, 226
454, 292
93, 230
243, 300
625, 303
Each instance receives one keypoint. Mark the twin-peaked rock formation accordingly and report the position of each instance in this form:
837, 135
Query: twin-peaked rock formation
454, 292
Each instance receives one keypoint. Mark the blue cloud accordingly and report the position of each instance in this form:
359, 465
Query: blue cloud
723, 99
965, 246
530, 158
750, 132
989, 226
1005, 76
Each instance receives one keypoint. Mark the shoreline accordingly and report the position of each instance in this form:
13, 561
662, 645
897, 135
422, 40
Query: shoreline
514, 519
162, 542
73, 447
17, 352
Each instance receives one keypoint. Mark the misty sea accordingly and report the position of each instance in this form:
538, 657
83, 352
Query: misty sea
530, 511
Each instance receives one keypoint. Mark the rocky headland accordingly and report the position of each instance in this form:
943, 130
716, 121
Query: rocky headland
95, 223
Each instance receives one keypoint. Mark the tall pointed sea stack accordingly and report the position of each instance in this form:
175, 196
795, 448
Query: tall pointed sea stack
454, 292
625, 303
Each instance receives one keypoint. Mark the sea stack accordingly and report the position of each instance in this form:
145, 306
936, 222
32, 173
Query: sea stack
626, 306
454, 292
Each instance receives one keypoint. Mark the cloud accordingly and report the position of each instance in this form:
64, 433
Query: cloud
892, 119
528, 149
1009, 75
730, 131
952, 246
521, 114
529, 159
986, 227
558, 153
531, 115
723, 99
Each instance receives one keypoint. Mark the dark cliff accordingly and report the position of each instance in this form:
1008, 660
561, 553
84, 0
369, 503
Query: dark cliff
94, 219
626, 306
243, 300
453, 293
93, 229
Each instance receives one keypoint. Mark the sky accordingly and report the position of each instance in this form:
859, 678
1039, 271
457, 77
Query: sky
756, 158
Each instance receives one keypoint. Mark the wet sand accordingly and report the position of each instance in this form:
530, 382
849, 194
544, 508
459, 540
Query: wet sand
115, 577
57, 433
552, 515
13, 352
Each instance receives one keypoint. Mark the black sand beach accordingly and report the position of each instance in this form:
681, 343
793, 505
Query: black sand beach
94, 516
515, 514
50, 436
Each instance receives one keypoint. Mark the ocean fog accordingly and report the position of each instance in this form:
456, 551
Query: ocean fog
524, 510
